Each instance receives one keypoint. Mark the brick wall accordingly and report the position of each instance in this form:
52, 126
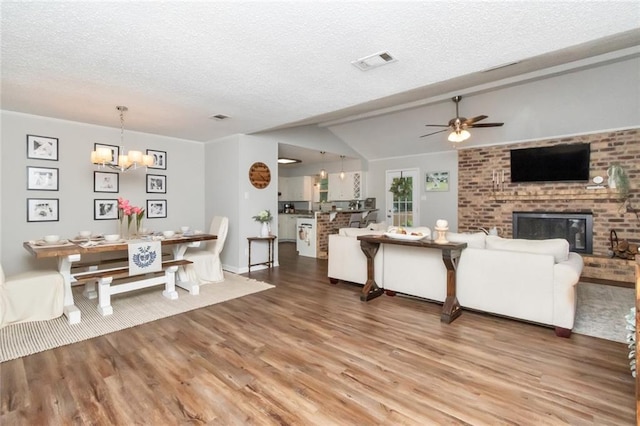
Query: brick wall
325, 227
480, 204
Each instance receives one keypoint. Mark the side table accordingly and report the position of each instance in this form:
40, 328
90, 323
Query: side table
270, 240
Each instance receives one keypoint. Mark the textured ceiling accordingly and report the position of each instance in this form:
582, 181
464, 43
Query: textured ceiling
270, 64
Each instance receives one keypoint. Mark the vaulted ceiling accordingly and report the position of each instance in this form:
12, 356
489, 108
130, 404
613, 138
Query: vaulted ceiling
276, 64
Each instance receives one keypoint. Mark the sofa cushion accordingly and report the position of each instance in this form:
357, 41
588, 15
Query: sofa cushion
557, 247
355, 232
475, 240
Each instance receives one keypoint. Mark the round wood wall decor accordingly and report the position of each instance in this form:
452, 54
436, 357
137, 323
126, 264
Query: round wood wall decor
259, 175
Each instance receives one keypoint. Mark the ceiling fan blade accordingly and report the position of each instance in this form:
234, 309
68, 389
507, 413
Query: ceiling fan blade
486, 125
437, 125
475, 119
439, 131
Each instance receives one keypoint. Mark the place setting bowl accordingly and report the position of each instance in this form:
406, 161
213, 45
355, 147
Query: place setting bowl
50, 240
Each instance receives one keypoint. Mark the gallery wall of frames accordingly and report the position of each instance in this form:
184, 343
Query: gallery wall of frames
45, 182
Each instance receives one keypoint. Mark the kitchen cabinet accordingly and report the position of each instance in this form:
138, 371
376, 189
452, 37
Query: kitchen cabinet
349, 188
287, 227
297, 188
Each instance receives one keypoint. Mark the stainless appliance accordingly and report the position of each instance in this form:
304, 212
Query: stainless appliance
370, 204
289, 208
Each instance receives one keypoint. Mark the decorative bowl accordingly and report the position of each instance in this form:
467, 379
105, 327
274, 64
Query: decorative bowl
112, 237
51, 238
168, 234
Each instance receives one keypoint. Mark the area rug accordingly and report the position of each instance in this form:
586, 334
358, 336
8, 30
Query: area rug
129, 310
601, 311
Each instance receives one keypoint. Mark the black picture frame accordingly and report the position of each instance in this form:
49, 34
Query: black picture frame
115, 152
156, 184
106, 182
156, 209
159, 159
42, 178
43, 209
105, 209
42, 147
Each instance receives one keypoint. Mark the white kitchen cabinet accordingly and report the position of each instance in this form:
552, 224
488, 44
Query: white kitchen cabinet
287, 227
283, 188
349, 188
297, 188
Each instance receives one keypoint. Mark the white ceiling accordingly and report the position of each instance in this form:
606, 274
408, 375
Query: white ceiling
274, 64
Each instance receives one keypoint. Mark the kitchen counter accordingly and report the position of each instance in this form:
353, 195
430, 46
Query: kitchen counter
330, 222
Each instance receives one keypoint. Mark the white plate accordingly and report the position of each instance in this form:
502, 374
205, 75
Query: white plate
406, 237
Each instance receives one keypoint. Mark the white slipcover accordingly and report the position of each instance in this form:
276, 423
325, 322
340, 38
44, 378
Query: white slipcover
30, 296
207, 267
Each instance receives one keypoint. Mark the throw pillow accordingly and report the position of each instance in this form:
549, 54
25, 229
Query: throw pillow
557, 247
475, 240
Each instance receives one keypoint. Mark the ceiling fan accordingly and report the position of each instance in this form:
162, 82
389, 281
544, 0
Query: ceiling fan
459, 125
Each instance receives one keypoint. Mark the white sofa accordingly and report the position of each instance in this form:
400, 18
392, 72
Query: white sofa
531, 280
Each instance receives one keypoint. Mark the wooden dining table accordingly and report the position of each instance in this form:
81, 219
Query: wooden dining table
71, 251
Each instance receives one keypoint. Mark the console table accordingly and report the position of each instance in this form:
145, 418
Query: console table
450, 256
270, 239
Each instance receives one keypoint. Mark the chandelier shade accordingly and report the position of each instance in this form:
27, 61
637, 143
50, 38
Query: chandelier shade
103, 157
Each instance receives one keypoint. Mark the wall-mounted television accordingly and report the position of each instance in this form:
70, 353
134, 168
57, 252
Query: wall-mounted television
557, 163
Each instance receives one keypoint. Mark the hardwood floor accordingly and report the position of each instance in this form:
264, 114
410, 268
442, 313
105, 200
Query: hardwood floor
310, 353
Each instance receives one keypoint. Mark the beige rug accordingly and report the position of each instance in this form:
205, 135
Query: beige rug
601, 311
129, 310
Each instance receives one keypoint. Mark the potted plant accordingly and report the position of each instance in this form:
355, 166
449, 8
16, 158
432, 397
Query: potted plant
618, 179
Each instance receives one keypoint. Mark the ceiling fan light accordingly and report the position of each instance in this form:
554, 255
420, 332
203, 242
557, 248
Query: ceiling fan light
459, 136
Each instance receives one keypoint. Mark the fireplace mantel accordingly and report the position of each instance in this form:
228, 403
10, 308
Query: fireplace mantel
563, 194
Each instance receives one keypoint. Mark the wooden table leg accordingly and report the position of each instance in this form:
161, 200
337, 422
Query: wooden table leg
370, 289
451, 308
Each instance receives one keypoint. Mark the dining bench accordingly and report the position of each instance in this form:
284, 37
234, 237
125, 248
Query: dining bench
127, 282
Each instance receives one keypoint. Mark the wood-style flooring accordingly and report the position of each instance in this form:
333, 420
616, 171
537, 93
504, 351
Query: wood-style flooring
311, 353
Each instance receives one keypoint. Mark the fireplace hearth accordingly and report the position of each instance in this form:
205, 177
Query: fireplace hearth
576, 228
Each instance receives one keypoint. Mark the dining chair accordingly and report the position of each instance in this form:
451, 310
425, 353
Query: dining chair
207, 267
30, 296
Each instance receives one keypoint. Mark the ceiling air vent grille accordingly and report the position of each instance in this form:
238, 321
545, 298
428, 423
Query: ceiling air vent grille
219, 117
373, 61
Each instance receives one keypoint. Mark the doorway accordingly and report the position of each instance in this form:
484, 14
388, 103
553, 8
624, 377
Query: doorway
402, 200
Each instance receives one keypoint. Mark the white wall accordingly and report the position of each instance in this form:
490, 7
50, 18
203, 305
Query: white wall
185, 186
433, 205
230, 193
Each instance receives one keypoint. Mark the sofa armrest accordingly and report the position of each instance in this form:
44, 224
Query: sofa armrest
565, 296
347, 262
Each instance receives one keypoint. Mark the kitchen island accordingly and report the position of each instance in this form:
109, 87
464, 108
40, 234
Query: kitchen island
330, 222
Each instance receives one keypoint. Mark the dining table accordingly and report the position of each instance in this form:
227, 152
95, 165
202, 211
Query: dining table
70, 252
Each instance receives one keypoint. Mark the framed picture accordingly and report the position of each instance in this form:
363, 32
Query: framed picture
42, 147
436, 181
157, 184
42, 209
42, 178
105, 209
159, 159
156, 209
106, 182
115, 152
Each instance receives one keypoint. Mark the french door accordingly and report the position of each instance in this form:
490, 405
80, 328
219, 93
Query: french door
402, 190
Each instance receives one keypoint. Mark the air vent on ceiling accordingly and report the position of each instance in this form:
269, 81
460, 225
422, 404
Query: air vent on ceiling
373, 61
219, 117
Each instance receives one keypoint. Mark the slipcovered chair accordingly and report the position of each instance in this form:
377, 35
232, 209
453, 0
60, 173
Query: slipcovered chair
30, 296
206, 267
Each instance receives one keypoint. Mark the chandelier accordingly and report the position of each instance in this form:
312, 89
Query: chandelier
130, 161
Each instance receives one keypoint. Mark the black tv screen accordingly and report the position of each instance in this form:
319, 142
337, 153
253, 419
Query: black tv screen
558, 163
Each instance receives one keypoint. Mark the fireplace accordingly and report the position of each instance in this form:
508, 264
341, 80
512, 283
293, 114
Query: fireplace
576, 228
